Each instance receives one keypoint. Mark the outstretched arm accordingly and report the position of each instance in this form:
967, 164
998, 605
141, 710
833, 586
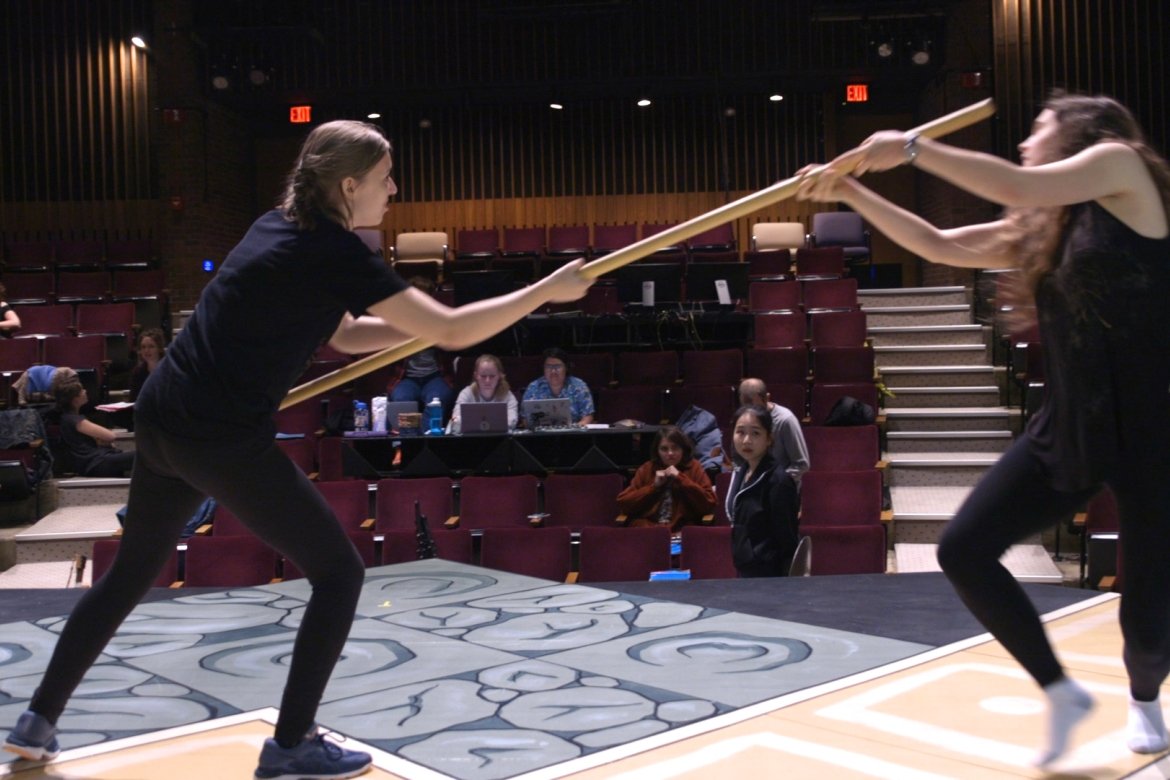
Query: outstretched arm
411, 313
1109, 172
973, 246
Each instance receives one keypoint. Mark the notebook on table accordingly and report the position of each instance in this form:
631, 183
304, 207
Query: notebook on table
483, 417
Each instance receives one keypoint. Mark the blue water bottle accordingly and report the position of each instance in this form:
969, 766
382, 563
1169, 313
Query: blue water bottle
435, 416
361, 417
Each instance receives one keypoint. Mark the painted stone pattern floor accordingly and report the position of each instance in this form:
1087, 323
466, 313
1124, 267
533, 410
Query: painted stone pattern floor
461, 672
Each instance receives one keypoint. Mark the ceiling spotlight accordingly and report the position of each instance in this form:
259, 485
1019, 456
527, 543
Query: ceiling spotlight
257, 76
885, 49
643, 102
776, 98
556, 106
373, 115
729, 112
220, 80
138, 41
424, 124
920, 54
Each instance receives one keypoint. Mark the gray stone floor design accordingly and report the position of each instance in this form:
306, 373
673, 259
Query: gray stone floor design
474, 673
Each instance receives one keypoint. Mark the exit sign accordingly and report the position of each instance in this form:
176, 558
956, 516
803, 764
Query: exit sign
857, 93
299, 115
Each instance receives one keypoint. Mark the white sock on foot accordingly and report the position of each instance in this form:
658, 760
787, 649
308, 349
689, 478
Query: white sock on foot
1145, 728
1068, 704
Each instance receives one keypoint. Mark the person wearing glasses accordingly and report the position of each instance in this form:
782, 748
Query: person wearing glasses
558, 383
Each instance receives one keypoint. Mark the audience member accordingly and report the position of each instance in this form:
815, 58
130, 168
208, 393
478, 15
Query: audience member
152, 346
90, 445
422, 376
488, 383
671, 488
788, 445
558, 383
761, 500
9, 321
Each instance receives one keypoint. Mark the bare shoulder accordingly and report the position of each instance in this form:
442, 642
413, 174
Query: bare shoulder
1137, 201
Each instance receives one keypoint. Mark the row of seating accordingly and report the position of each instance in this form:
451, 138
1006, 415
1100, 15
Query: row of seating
595, 555
45, 287
571, 500
843, 229
87, 354
535, 251
64, 253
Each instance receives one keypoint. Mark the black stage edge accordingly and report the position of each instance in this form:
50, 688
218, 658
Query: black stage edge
920, 608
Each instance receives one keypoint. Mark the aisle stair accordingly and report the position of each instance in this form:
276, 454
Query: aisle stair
945, 422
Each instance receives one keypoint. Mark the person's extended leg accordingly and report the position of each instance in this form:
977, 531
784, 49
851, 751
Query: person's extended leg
1142, 493
157, 510
1012, 502
269, 494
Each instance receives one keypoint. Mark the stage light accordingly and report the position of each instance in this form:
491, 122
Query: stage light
776, 98
920, 53
643, 102
257, 76
729, 112
424, 124
373, 115
138, 41
556, 106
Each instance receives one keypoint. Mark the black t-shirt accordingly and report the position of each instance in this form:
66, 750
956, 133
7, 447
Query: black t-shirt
278, 296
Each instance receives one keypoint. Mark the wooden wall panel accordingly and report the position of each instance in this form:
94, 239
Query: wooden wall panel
1114, 47
76, 156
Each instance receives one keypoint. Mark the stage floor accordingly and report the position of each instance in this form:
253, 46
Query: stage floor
453, 671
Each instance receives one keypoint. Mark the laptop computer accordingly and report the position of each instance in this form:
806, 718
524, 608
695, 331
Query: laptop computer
547, 413
483, 417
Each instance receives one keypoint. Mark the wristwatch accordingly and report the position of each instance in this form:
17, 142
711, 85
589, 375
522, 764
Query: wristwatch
911, 149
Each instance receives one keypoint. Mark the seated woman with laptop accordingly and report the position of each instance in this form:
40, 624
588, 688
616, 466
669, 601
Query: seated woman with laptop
558, 383
489, 387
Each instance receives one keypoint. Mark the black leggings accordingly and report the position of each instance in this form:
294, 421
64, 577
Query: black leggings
1014, 501
270, 495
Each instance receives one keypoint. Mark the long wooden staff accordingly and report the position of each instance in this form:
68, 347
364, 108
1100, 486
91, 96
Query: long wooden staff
782, 190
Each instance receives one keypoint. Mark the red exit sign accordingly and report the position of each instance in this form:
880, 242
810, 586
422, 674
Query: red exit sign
299, 115
857, 93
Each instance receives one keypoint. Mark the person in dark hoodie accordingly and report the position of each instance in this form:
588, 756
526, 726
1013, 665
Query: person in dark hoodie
762, 500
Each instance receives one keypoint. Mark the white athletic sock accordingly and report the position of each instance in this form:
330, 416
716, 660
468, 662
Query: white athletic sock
1068, 704
1145, 727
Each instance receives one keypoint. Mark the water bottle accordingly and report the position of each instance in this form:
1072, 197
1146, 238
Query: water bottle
434, 416
361, 417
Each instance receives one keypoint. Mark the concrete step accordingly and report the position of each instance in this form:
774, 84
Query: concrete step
942, 376
941, 469
932, 355
45, 575
904, 442
977, 395
976, 418
909, 335
89, 491
904, 316
915, 296
69, 531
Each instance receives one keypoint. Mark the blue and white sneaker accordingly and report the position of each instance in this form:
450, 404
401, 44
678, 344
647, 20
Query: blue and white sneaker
312, 759
33, 738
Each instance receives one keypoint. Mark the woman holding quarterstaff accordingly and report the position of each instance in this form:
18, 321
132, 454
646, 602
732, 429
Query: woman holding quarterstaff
204, 425
1088, 228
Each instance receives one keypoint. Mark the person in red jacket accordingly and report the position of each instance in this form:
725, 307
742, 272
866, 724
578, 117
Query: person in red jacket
669, 489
